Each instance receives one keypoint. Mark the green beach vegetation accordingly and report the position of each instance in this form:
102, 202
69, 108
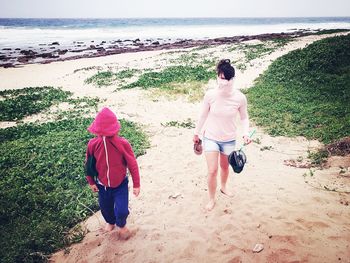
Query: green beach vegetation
254, 51
188, 124
191, 70
331, 31
306, 92
19, 103
166, 78
187, 70
185, 74
107, 78
44, 194
175, 80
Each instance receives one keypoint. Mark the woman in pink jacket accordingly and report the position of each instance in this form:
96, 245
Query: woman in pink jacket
217, 125
113, 156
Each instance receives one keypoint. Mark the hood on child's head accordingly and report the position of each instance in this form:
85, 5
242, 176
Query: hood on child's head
105, 123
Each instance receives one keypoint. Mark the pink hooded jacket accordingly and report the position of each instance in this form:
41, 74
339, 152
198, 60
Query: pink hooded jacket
113, 153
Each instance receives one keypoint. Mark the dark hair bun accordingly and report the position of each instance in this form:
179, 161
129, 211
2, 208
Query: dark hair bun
224, 66
225, 61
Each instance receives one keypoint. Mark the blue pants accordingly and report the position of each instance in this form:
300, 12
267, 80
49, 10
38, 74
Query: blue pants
114, 203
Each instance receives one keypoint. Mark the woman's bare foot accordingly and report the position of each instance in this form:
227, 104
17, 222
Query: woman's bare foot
109, 227
225, 192
210, 205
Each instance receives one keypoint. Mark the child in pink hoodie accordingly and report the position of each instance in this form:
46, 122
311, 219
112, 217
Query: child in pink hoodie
113, 156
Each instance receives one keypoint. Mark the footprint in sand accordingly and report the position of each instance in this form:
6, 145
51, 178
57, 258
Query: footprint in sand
281, 255
237, 259
116, 235
312, 224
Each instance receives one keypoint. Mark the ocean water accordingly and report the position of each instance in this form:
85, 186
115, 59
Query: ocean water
24, 33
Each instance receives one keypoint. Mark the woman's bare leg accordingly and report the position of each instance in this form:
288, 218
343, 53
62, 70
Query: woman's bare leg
212, 163
224, 172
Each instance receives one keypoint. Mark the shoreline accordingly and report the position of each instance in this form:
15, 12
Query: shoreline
53, 52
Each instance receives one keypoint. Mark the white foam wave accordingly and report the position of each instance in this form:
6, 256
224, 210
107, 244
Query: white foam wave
20, 37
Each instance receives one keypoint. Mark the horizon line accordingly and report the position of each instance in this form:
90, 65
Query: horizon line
176, 17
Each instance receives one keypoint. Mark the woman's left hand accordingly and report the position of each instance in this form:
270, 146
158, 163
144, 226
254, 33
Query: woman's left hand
246, 140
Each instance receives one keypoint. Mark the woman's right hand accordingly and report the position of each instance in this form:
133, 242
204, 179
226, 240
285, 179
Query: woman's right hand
195, 138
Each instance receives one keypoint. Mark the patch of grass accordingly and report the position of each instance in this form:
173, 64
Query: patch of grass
252, 52
17, 104
171, 76
43, 189
166, 53
201, 47
210, 63
255, 51
83, 106
331, 31
126, 73
241, 66
233, 47
306, 92
88, 68
265, 148
108, 78
257, 141
193, 59
317, 158
102, 78
192, 90
86, 102
310, 173
280, 42
188, 124
187, 58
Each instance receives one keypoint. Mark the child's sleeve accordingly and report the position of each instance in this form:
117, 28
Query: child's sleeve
131, 163
88, 177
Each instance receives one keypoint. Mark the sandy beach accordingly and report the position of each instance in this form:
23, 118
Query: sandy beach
279, 206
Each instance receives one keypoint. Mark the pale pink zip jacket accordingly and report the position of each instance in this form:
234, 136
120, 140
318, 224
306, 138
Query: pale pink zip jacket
219, 111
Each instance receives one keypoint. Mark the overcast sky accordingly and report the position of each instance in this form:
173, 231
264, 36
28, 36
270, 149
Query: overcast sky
171, 8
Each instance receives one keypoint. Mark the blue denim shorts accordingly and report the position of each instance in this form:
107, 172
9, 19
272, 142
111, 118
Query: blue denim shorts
216, 146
